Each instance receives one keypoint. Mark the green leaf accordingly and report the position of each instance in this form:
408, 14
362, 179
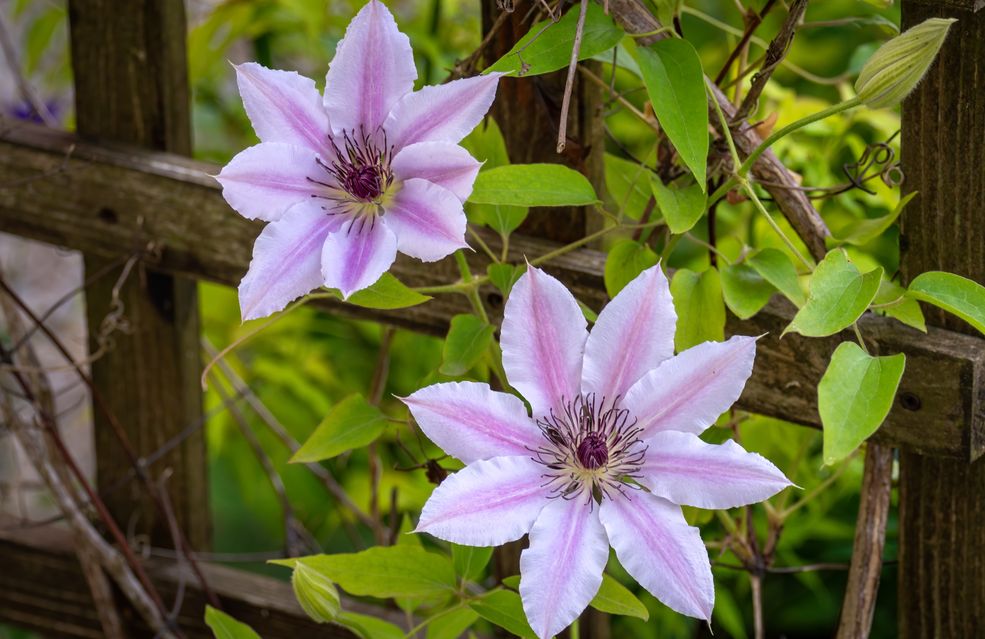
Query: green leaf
499, 217
895, 303
700, 310
839, 295
316, 594
955, 294
352, 423
504, 276
368, 627
533, 185
452, 625
675, 83
681, 207
745, 290
467, 341
777, 269
503, 608
225, 627
854, 397
864, 231
547, 47
387, 293
628, 184
384, 571
625, 261
470, 561
615, 599
486, 144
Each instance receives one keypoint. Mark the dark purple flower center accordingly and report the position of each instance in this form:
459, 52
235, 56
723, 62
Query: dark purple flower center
590, 446
592, 452
361, 167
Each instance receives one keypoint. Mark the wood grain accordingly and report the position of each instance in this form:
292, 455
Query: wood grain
63, 201
942, 510
131, 86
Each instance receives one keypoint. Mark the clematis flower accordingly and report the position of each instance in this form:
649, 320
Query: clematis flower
609, 454
349, 179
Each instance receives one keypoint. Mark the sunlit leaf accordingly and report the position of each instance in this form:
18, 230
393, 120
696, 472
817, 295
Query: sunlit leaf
955, 294
864, 231
368, 627
615, 599
745, 291
628, 184
503, 608
452, 625
777, 269
487, 145
352, 423
504, 276
467, 341
388, 293
700, 309
384, 571
225, 627
547, 47
892, 301
470, 561
533, 185
681, 207
675, 81
625, 261
854, 397
839, 295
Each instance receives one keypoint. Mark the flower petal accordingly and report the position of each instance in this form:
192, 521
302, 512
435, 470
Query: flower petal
445, 164
656, 546
441, 113
688, 392
543, 339
685, 470
470, 421
428, 220
265, 180
286, 260
373, 67
283, 106
633, 334
562, 569
487, 503
356, 255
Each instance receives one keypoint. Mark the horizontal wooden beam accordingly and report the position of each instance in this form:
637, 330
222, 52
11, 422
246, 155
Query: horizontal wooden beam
113, 201
43, 589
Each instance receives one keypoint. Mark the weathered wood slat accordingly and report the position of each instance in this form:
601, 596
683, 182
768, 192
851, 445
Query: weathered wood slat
42, 588
131, 85
942, 505
107, 201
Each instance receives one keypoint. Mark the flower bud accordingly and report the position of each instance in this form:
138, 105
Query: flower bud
316, 593
898, 66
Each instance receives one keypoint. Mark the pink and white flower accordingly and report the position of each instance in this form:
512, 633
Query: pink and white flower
349, 179
609, 455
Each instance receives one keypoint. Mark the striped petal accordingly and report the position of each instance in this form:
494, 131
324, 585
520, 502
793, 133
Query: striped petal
656, 546
487, 503
685, 470
356, 255
470, 421
441, 113
561, 571
428, 220
444, 164
633, 335
543, 340
283, 106
689, 391
286, 260
265, 180
373, 67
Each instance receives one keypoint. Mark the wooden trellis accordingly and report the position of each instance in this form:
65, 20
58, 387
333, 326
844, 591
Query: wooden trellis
123, 187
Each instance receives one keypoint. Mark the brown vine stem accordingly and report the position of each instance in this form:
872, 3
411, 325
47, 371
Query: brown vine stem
569, 83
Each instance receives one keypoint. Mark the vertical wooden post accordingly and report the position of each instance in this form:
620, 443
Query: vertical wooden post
131, 86
942, 501
527, 110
